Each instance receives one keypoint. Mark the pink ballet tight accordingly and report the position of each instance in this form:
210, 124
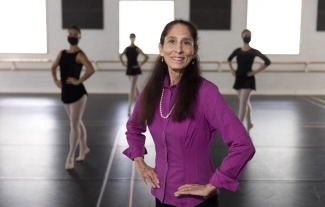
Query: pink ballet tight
134, 91
245, 107
78, 134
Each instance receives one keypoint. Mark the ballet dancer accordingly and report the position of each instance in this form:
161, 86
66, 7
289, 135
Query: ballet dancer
133, 69
73, 92
245, 80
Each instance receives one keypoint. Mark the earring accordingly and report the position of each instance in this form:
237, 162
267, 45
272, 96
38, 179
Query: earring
162, 59
193, 62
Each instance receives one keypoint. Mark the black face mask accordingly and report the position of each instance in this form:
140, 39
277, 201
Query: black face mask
73, 40
247, 39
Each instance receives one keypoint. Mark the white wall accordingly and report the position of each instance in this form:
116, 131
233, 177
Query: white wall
214, 45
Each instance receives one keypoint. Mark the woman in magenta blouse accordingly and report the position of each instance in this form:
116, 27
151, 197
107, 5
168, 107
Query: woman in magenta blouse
183, 112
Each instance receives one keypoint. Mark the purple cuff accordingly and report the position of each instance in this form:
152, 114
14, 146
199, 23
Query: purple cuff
133, 152
219, 180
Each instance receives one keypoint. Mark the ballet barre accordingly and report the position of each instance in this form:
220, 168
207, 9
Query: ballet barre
274, 67
11, 64
147, 65
207, 66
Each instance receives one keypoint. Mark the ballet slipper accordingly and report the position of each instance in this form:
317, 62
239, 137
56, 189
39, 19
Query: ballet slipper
82, 155
70, 163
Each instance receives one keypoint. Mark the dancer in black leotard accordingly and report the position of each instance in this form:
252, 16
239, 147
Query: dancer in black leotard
73, 94
245, 80
133, 68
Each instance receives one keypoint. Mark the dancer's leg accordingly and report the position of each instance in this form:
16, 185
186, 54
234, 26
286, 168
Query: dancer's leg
248, 113
83, 137
238, 93
137, 91
133, 81
77, 131
83, 148
243, 95
70, 160
239, 110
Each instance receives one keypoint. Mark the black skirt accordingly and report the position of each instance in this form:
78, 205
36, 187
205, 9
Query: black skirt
72, 93
244, 82
133, 71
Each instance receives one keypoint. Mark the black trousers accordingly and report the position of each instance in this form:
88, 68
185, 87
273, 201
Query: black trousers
211, 202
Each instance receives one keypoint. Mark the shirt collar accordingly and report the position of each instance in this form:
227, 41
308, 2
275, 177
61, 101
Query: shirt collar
167, 81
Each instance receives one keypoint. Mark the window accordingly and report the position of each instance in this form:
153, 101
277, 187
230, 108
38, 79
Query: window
146, 19
275, 25
23, 26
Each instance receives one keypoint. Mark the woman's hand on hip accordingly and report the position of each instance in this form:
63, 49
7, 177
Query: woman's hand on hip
72, 81
251, 73
195, 189
146, 173
58, 83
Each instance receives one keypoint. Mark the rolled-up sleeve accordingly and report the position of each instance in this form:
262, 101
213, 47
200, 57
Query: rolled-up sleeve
234, 134
135, 134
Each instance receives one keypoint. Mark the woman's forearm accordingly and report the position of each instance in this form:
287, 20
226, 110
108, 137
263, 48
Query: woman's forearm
87, 74
53, 71
261, 68
121, 59
230, 66
145, 60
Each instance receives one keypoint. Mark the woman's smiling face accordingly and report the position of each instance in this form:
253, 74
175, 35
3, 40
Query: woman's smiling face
178, 48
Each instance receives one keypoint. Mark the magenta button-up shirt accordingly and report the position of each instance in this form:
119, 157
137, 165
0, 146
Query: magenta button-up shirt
183, 148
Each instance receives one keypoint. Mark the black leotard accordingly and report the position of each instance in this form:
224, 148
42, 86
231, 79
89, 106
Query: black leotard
70, 68
132, 55
245, 60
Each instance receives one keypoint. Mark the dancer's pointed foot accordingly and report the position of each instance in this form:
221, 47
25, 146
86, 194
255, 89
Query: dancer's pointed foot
69, 163
82, 154
249, 127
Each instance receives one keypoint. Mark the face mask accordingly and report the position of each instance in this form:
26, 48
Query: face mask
73, 40
247, 39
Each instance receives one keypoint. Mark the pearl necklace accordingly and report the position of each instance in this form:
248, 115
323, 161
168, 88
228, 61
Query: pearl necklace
162, 116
